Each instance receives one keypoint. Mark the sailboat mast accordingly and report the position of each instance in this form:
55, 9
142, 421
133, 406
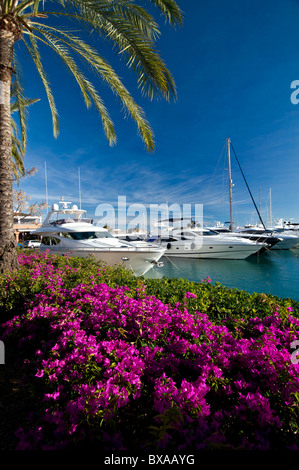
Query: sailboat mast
230, 186
270, 197
260, 220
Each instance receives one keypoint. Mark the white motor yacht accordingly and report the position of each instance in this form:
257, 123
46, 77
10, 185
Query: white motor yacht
287, 240
138, 238
204, 243
66, 231
284, 239
252, 233
287, 232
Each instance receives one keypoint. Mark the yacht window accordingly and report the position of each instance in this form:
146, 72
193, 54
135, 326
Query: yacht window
49, 241
45, 240
66, 235
134, 238
129, 238
185, 235
209, 232
89, 235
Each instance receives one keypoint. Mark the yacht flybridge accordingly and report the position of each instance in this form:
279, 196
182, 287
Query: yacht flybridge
66, 230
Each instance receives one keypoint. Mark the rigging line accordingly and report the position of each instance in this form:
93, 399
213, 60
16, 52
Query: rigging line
213, 176
276, 254
249, 189
171, 262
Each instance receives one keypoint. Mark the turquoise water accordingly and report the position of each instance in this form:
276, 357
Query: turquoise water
273, 272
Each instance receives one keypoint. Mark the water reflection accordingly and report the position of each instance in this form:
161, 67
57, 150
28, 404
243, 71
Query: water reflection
275, 272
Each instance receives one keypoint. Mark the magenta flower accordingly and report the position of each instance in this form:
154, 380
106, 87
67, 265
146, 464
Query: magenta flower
190, 295
113, 362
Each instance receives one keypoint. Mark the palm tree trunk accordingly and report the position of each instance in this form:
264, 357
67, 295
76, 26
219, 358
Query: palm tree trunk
8, 254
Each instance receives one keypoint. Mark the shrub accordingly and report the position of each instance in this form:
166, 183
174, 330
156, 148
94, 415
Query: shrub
126, 364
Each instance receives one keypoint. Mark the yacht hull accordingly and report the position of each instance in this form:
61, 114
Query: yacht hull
295, 249
139, 262
215, 251
286, 243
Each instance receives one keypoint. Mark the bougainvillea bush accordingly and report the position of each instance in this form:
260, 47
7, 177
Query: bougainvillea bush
113, 367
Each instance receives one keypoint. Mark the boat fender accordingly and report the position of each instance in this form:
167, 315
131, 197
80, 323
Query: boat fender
192, 246
168, 246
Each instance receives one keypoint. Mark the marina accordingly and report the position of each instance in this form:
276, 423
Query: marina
252, 264
273, 269
266, 269
161, 317
271, 272
66, 230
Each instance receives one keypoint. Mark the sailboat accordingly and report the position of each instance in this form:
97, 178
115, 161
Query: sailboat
257, 234
198, 242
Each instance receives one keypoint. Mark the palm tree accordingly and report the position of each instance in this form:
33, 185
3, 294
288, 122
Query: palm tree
19, 104
129, 27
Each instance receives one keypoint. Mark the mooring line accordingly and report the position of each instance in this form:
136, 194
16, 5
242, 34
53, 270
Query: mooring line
172, 262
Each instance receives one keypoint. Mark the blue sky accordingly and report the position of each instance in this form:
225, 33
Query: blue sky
233, 64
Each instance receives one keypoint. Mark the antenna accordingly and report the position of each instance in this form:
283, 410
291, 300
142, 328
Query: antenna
46, 186
79, 188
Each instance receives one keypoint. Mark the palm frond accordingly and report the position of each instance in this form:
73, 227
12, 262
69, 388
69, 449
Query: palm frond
134, 14
139, 50
105, 72
17, 158
17, 151
171, 10
19, 104
20, 101
128, 26
34, 52
27, 102
87, 89
23, 5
